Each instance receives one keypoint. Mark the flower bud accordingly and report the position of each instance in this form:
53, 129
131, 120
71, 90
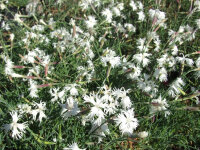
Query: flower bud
142, 134
12, 36
2, 6
17, 18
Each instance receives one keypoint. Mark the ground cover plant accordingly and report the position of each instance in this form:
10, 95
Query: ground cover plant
99, 74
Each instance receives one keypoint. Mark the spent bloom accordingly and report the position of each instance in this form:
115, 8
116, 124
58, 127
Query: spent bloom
70, 108
100, 131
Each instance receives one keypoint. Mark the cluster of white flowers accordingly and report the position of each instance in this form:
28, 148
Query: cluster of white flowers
110, 103
157, 17
18, 129
87, 4
138, 6
79, 49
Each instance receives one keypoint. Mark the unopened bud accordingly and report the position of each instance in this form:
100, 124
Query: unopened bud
143, 134
12, 36
17, 18
2, 6
42, 21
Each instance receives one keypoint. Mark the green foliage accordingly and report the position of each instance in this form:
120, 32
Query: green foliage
18, 3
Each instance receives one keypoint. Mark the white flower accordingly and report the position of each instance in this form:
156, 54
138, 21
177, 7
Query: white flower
141, 16
17, 18
70, 108
33, 88
111, 106
18, 129
136, 71
126, 121
120, 28
198, 62
96, 108
157, 16
72, 89
125, 100
56, 95
2, 6
159, 104
184, 59
141, 45
120, 6
9, 66
157, 43
161, 74
39, 28
41, 107
139, 5
84, 4
110, 58
108, 14
133, 5
73, 146
166, 60
147, 85
30, 57
116, 11
91, 22
5, 26
31, 7
130, 27
142, 58
197, 5
174, 50
175, 87
45, 60
24, 108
